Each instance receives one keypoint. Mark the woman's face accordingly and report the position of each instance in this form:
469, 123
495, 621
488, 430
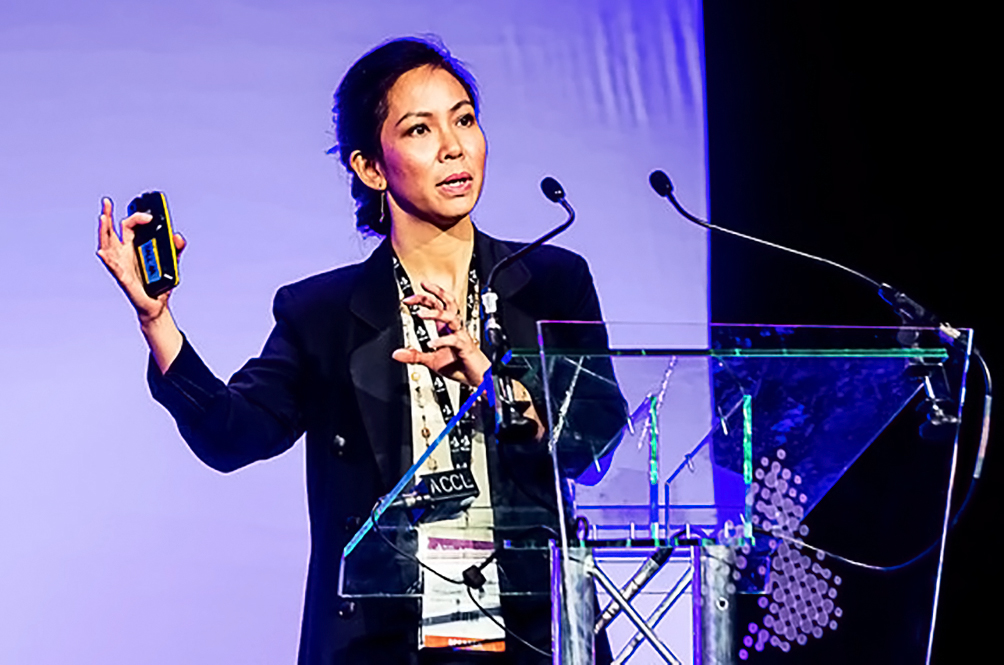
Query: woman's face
433, 148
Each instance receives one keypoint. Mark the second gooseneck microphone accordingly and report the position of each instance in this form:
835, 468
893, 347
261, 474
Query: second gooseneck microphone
909, 311
941, 424
663, 186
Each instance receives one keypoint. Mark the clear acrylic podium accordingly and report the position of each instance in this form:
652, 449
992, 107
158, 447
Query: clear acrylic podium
680, 464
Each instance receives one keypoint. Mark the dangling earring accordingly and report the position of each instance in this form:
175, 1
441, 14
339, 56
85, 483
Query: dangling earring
383, 205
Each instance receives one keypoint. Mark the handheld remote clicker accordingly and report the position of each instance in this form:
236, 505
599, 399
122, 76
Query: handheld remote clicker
154, 243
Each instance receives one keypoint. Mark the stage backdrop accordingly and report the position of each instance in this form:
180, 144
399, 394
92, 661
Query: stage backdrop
116, 544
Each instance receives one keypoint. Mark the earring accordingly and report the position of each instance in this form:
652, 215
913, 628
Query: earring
383, 205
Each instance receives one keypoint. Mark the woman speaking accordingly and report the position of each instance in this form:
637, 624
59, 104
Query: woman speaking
371, 360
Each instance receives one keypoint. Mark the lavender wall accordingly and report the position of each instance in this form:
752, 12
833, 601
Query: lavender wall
116, 545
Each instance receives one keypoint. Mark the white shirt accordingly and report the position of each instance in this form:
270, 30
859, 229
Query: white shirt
449, 618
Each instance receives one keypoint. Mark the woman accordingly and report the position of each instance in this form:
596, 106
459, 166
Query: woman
345, 360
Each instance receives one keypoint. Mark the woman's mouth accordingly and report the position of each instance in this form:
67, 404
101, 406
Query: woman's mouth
458, 183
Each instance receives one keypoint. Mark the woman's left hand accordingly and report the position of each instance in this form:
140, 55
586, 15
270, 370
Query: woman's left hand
454, 354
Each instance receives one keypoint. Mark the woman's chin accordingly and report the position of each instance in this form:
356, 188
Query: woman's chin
449, 223
449, 219
444, 218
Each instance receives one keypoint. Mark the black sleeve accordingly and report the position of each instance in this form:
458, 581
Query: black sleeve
255, 416
596, 411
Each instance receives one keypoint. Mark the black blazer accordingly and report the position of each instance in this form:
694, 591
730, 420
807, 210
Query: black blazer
326, 370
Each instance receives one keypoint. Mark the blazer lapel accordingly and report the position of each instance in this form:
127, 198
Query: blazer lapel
490, 251
507, 283
380, 382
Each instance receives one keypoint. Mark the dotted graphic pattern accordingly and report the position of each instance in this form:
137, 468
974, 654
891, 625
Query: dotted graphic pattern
800, 593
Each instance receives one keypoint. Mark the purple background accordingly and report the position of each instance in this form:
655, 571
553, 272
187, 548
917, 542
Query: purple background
117, 545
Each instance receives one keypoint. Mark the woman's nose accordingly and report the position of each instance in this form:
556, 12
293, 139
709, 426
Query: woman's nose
450, 147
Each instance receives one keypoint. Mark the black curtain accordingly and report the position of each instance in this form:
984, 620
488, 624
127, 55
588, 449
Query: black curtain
864, 134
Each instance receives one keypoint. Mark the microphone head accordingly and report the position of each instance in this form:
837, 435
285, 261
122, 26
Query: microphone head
660, 183
552, 189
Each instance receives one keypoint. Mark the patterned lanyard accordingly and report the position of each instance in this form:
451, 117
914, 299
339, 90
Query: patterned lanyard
462, 436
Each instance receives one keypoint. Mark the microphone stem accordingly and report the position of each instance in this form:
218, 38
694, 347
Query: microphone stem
721, 229
512, 258
909, 311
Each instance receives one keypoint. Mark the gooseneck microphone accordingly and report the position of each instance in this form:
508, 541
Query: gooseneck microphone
663, 186
909, 311
510, 423
556, 194
493, 330
941, 424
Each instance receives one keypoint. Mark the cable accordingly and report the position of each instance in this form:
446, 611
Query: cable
801, 543
408, 555
860, 564
465, 583
984, 439
977, 471
987, 399
470, 593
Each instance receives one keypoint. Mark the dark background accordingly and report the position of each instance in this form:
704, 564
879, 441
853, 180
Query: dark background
862, 134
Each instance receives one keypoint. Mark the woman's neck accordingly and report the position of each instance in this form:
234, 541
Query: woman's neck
434, 254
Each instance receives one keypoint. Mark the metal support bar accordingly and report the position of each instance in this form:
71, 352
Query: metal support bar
572, 610
632, 613
646, 572
697, 597
714, 606
656, 616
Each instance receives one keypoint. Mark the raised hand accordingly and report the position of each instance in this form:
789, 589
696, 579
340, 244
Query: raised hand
119, 257
455, 354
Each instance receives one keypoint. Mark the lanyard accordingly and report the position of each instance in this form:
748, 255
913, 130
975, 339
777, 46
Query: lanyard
462, 436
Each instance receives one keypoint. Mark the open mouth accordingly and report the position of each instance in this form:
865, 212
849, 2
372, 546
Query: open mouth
456, 180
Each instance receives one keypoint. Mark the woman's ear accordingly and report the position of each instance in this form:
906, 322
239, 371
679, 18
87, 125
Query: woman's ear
368, 171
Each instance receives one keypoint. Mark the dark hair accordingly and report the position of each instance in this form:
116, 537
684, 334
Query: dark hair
361, 108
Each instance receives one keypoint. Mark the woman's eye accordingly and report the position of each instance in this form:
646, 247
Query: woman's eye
418, 130
466, 120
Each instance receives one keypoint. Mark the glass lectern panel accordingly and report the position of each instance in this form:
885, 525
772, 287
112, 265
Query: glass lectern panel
702, 425
668, 437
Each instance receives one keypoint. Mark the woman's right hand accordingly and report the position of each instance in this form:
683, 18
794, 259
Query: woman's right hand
120, 258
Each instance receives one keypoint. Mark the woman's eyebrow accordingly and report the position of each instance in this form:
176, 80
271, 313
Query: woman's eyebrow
428, 114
